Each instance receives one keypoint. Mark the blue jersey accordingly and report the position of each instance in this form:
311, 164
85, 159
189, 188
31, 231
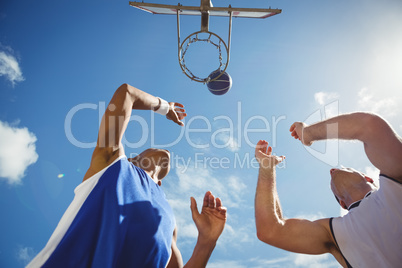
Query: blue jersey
119, 218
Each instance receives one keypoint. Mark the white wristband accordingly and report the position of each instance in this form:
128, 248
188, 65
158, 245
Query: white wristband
163, 108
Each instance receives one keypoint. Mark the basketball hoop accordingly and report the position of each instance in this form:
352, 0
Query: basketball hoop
205, 10
183, 47
195, 37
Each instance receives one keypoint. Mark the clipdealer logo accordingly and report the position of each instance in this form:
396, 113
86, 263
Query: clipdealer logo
223, 137
330, 153
238, 132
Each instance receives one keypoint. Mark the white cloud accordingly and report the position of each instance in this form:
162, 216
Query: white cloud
278, 262
228, 141
288, 260
198, 178
226, 263
311, 217
25, 254
237, 236
314, 261
17, 152
329, 101
9, 67
195, 181
368, 101
342, 211
373, 173
322, 98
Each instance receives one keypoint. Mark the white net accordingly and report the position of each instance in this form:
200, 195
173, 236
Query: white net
206, 55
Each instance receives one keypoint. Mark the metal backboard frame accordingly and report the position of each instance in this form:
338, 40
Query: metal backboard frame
261, 13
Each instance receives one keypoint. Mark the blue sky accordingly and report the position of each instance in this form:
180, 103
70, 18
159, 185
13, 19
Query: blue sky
60, 62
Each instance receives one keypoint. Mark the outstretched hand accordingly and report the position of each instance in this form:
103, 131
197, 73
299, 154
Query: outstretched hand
297, 130
176, 113
211, 221
264, 156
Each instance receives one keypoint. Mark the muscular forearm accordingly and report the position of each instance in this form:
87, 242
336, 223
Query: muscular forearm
138, 99
382, 145
268, 214
118, 113
347, 127
201, 254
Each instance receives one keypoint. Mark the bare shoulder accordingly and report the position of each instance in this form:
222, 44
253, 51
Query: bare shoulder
383, 146
325, 224
331, 244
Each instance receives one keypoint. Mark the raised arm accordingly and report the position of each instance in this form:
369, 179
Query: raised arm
382, 145
210, 224
296, 235
114, 123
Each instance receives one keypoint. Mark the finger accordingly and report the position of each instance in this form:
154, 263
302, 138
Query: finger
218, 202
258, 148
193, 207
177, 120
269, 151
178, 109
262, 146
292, 127
280, 158
178, 105
293, 132
223, 211
261, 143
206, 199
259, 154
182, 115
211, 201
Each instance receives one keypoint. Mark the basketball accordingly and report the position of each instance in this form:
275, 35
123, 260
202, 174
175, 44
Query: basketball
221, 85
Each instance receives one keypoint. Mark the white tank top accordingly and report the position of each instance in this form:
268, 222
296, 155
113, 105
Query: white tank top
370, 235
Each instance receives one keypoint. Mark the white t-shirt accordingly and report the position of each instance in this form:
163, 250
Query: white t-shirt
370, 235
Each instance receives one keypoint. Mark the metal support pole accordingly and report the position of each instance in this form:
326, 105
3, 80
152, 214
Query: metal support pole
178, 40
178, 32
230, 34
204, 8
204, 21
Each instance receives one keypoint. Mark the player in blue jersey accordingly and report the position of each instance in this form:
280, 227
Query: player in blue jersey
120, 216
370, 234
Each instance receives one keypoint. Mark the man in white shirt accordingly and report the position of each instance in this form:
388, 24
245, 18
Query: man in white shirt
370, 235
